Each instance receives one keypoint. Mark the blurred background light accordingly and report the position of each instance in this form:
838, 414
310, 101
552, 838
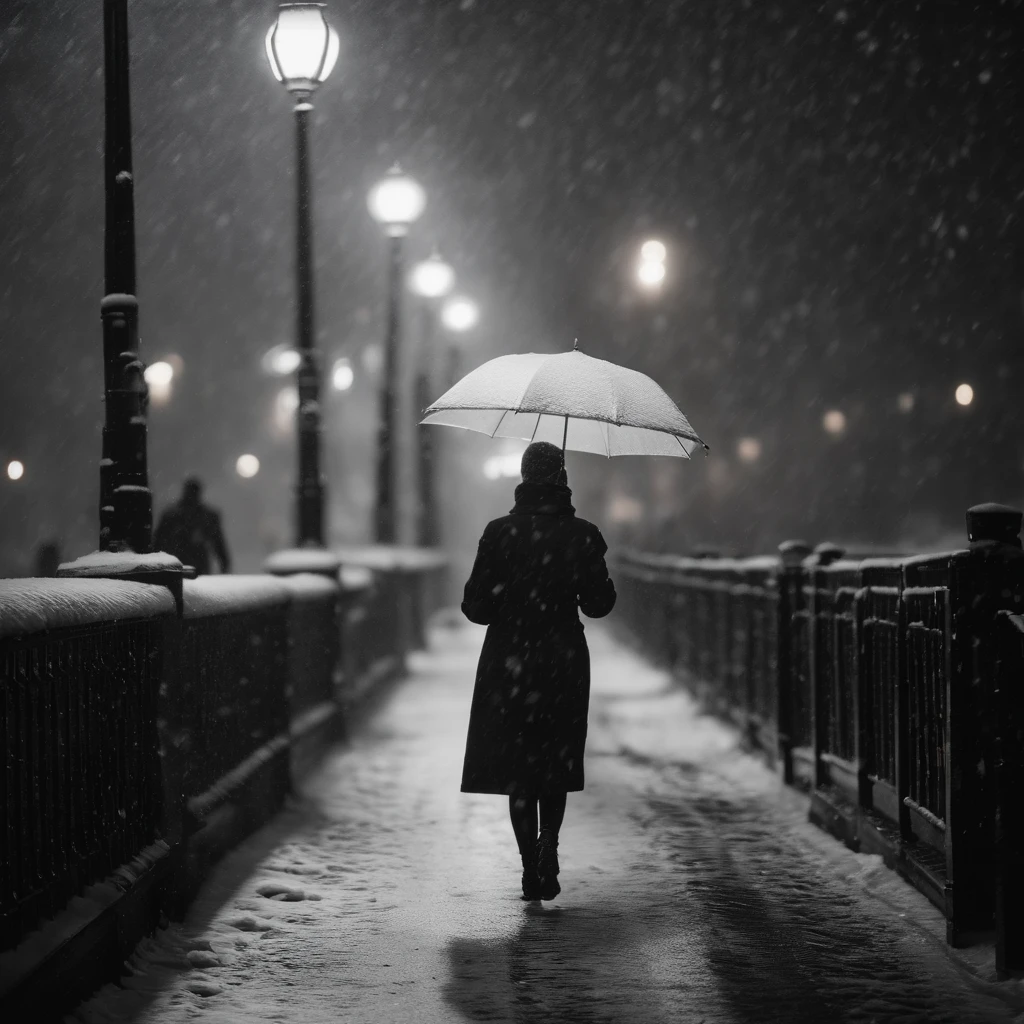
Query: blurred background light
834, 422
653, 251
247, 466
15, 469
906, 402
749, 449
650, 273
280, 361
460, 314
342, 375
964, 394
285, 404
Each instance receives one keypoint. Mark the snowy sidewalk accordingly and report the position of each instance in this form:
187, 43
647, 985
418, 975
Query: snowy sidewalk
693, 889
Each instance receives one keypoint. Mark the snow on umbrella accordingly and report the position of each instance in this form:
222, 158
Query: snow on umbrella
570, 399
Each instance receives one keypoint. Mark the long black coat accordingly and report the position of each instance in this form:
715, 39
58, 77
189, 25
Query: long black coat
534, 569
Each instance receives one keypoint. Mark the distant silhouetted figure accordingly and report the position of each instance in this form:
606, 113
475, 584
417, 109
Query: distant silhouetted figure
528, 721
47, 558
191, 531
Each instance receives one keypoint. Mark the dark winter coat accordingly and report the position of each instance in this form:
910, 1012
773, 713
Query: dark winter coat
534, 569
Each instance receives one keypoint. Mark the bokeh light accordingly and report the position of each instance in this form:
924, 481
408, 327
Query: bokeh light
653, 251
159, 375
15, 469
285, 405
964, 394
650, 274
906, 402
280, 361
342, 375
749, 449
460, 314
247, 466
834, 422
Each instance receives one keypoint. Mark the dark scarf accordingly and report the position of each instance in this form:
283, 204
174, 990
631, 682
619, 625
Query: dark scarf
534, 499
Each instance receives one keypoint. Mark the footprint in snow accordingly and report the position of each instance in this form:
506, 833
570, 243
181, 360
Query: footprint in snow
204, 988
283, 893
249, 923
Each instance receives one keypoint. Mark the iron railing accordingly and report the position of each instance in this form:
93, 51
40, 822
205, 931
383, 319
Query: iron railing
868, 682
79, 792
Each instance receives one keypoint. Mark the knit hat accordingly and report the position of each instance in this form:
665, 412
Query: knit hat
542, 463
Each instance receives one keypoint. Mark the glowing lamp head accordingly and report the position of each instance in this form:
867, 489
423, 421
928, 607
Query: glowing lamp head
964, 394
247, 466
653, 251
651, 274
396, 201
432, 278
302, 47
159, 374
459, 314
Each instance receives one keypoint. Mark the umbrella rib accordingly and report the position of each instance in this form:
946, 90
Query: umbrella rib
502, 420
686, 454
536, 427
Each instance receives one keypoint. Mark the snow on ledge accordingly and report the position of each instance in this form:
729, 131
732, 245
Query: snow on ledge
309, 586
299, 560
387, 557
36, 605
355, 577
222, 595
119, 563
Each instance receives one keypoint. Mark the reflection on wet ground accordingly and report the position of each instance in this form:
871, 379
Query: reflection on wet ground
693, 890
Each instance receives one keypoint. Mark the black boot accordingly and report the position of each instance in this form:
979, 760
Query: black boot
531, 883
547, 864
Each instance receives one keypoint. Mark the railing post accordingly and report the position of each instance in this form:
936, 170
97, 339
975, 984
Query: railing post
791, 554
987, 578
1009, 780
824, 554
863, 711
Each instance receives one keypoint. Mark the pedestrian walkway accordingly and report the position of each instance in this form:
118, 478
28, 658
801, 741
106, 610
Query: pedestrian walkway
693, 889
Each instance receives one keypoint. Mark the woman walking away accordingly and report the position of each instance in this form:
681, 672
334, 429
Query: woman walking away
528, 722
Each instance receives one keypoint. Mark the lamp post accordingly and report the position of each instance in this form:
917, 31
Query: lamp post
126, 503
302, 49
430, 280
395, 202
458, 315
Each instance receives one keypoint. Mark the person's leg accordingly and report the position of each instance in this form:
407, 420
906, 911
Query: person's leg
522, 810
552, 811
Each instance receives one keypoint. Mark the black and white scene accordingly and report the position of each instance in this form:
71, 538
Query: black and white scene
511, 512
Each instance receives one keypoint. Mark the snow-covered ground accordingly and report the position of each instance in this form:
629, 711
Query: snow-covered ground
694, 890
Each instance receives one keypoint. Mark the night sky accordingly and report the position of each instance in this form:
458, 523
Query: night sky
839, 186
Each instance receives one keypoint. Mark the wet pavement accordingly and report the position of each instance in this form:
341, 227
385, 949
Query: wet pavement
693, 890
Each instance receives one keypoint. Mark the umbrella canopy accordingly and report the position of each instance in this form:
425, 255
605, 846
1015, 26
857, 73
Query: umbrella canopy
573, 400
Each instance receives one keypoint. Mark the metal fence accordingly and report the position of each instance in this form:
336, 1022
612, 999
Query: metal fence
127, 716
78, 792
870, 684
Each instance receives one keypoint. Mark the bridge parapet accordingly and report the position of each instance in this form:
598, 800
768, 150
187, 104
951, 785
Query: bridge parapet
872, 684
147, 726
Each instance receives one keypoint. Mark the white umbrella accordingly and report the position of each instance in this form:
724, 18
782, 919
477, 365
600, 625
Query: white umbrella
571, 399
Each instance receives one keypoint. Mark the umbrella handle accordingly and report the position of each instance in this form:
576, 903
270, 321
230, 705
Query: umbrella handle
565, 434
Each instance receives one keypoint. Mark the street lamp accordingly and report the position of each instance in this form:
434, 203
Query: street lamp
302, 49
126, 502
431, 280
458, 315
394, 202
